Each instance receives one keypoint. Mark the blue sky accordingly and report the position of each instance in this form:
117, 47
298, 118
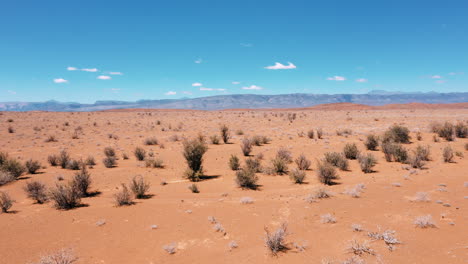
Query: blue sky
131, 50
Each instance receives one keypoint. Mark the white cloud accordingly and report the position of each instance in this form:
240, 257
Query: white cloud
235, 82
336, 78
279, 66
198, 61
104, 77
60, 80
212, 89
171, 93
361, 80
436, 77
115, 73
90, 70
196, 84
252, 87
72, 69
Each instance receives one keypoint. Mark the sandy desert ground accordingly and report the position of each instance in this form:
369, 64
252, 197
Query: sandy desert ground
101, 232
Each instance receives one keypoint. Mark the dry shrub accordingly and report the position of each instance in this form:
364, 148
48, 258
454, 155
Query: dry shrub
13, 167
63, 256
326, 173
193, 153
140, 153
5, 202
151, 141
154, 163
359, 249
234, 163
3, 157
214, 139
302, 162
398, 134
423, 152
297, 176
446, 131
32, 166
320, 193
246, 146
310, 134
447, 154
253, 164
367, 162
319, 133
65, 196
225, 133
351, 151
461, 130
394, 152
284, 154
51, 139
279, 166
81, 182
6, 177
36, 191
109, 162
63, 159
327, 219
90, 161
139, 187
53, 160
337, 159
276, 241
372, 142
109, 152
424, 221
123, 197
246, 179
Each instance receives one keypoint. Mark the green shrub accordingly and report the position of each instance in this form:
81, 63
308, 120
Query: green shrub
193, 153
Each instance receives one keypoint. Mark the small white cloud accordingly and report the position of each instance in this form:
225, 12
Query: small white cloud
72, 69
336, 78
198, 61
361, 80
436, 77
252, 87
196, 84
115, 73
171, 93
60, 80
212, 89
90, 70
104, 77
279, 66
235, 82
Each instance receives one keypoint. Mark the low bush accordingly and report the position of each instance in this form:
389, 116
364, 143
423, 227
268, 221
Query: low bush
214, 139
151, 141
372, 142
279, 166
246, 179
246, 146
225, 133
53, 160
5, 202
13, 167
6, 177
337, 159
447, 154
284, 154
63, 159
276, 241
36, 191
32, 166
234, 163
194, 188
74, 165
65, 196
193, 151
461, 130
397, 134
154, 163
351, 151
109, 152
446, 131
367, 162
109, 162
139, 187
253, 164
140, 153
297, 176
326, 173
123, 197
81, 181
302, 162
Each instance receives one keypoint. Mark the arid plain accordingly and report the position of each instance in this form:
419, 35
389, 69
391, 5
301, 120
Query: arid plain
368, 218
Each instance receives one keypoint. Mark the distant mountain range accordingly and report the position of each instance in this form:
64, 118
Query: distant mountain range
250, 101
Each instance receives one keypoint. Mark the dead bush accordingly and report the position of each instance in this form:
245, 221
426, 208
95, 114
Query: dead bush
6, 177
447, 154
279, 166
36, 191
246, 179
109, 152
5, 202
32, 166
424, 221
302, 162
109, 162
123, 197
461, 130
63, 256
53, 160
276, 241
246, 146
63, 159
81, 182
372, 142
151, 141
310, 134
234, 163
253, 164
154, 163
74, 165
225, 133
446, 131
367, 162
284, 154
351, 151
326, 173
65, 196
214, 139
397, 134
139, 187
337, 159
193, 153
13, 167
297, 176
140, 153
